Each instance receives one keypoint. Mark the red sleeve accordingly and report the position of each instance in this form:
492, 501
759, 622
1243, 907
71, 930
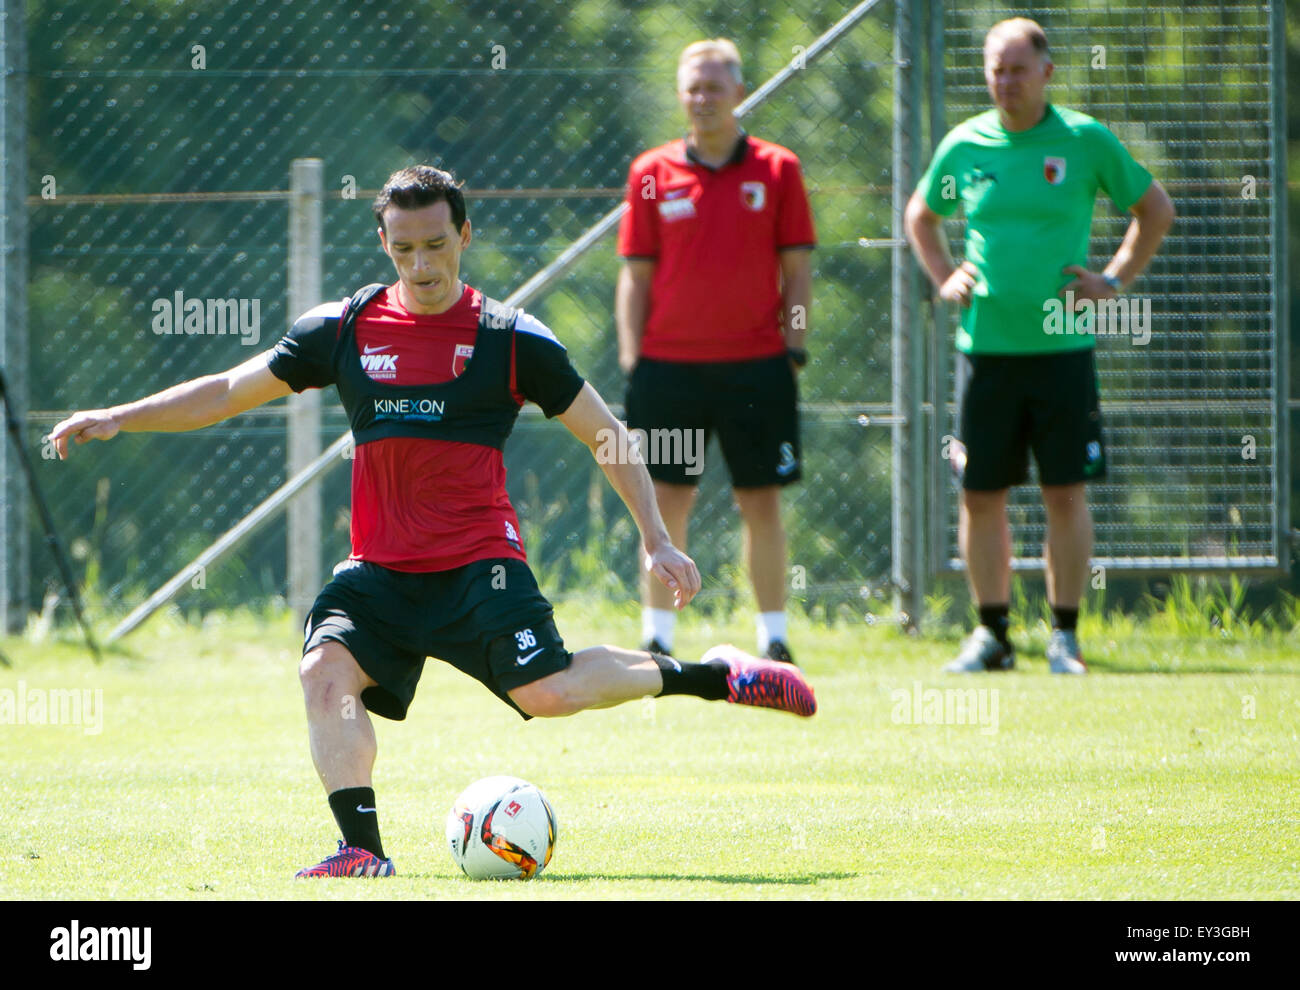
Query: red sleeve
638, 231
794, 224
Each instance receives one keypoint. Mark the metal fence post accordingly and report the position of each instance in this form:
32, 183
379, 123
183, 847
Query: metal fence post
1281, 294
307, 189
936, 324
907, 455
14, 541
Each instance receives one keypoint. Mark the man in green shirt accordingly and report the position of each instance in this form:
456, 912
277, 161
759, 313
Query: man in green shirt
1027, 175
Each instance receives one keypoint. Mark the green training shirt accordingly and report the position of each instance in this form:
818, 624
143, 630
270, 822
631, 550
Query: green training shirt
1028, 197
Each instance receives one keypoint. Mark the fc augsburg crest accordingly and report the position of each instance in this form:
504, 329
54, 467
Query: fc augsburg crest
1054, 170
754, 194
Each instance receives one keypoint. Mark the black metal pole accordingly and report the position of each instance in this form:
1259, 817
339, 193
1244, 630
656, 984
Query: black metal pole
47, 521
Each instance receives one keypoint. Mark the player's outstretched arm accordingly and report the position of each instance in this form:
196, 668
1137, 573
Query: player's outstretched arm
589, 419
188, 406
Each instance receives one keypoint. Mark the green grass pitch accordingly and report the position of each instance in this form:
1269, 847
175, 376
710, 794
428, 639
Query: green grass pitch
1169, 772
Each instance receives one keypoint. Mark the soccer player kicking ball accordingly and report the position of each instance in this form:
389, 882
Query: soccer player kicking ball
1027, 175
432, 375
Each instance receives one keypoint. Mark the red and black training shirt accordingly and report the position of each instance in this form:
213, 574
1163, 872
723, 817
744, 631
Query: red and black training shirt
421, 503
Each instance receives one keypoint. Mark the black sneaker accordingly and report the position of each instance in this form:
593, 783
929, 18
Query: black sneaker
778, 651
654, 646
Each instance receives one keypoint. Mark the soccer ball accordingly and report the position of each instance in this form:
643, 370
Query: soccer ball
501, 828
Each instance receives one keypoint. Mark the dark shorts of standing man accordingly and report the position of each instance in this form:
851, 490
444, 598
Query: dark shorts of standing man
751, 405
1008, 405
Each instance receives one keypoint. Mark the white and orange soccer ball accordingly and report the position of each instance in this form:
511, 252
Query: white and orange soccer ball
501, 828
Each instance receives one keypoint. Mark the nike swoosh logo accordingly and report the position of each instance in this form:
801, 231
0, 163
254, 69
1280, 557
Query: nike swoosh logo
359, 808
523, 660
376, 350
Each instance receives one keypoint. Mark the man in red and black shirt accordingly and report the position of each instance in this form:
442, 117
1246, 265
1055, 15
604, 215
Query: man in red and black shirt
712, 307
432, 375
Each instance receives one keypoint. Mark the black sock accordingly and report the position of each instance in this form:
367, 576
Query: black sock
359, 828
997, 618
701, 680
1065, 619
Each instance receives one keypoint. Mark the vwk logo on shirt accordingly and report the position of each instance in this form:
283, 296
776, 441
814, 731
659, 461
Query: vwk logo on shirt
377, 364
1054, 170
676, 205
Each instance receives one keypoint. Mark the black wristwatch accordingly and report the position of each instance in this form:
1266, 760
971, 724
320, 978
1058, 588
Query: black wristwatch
797, 355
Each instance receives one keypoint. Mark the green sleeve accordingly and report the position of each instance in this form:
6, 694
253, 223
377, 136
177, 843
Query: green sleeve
931, 186
1118, 173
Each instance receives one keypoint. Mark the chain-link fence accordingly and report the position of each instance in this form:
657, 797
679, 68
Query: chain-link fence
156, 150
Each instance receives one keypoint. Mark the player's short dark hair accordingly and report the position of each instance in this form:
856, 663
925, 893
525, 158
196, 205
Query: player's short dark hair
421, 185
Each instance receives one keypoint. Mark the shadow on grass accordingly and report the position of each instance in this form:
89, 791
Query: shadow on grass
1111, 665
1146, 663
802, 880
1193, 668
807, 879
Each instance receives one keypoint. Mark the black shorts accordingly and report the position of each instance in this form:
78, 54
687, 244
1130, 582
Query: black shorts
487, 619
752, 405
1011, 404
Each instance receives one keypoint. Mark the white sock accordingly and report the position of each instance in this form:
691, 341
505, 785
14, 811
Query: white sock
658, 623
771, 625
